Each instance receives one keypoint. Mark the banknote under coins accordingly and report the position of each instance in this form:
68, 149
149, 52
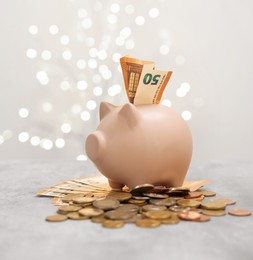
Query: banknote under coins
146, 206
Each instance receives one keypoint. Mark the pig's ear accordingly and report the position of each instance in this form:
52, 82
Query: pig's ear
130, 113
95, 145
105, 109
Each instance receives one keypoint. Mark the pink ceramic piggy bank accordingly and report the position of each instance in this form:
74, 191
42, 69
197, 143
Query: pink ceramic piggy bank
140, 144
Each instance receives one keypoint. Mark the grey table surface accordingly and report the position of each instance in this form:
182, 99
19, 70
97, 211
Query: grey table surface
24, 234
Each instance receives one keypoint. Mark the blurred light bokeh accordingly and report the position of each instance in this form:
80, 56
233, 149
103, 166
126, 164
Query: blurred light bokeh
60, 59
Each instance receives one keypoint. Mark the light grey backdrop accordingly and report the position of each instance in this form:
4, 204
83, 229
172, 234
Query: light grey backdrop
207, 44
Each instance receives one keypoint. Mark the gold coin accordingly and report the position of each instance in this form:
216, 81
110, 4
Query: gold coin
189, 215
179, 208
68, 198
147, 223
153, 207
227, 201
202, 197
239, 212
112, 223
207, 193
119, 195
133, 219
118, 214
82, 205
56, 218
76, 216
188, 203
106, 204
158, 214
129, 207
193, 195
133, 201
164, 202
66, 209
213, 205
90, 212
83, 200
215, 213
140, 189
172, 220
98, 219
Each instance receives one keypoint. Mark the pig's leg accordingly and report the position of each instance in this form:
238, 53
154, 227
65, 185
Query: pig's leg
173, 183
115, 185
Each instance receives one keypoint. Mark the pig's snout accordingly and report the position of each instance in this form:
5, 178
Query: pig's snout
94, 145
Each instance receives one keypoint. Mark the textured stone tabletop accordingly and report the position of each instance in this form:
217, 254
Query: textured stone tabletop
24, 234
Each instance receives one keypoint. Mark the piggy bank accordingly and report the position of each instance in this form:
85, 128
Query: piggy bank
134, 145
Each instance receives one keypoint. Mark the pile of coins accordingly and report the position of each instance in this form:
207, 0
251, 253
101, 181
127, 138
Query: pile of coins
146, 206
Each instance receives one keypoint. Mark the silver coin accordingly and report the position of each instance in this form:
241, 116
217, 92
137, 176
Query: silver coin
168, 202
179, 208
156, 196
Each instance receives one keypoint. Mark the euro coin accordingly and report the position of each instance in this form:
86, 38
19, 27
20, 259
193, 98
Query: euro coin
156, 195
214, 213
68, 198
203, 218
118, 214
188, 203
172, 220
148, 223
91, 212
76, 216
177, 198
106, 204
66, 209
153, 207
113, 223
98, 219
177, 208
213, 205
189, 215
200, 198
239, 212
207, 193
56, 218
119, 195
81, 200
134, 201
227, 201
193, 194
129, 207
82, 205
133, 219
158, 214
164, 202
140, 189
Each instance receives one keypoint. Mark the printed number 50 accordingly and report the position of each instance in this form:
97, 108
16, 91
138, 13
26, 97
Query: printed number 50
149, 77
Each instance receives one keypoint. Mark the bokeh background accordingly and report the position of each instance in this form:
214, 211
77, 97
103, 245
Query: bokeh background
60, 59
